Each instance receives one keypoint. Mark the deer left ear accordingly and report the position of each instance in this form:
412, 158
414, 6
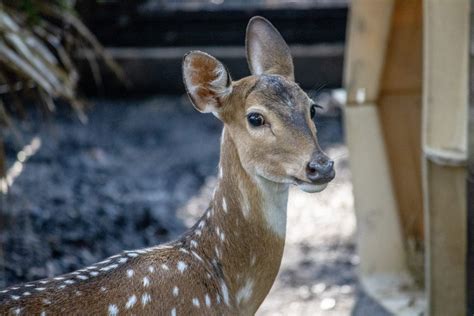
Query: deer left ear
267, 51
207, 81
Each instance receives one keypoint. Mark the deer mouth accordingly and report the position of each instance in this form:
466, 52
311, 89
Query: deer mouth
310, 187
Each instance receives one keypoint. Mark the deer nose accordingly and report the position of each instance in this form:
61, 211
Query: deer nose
320, 170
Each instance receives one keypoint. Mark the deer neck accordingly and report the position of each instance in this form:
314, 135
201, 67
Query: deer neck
243, 231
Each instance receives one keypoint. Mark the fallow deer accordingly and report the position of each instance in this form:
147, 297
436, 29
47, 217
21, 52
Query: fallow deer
227, 262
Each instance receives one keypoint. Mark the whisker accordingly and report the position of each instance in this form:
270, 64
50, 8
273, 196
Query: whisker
341, 156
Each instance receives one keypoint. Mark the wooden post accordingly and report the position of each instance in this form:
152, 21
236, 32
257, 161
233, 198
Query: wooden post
470, 178
367, 35
445, 100
376, 103
400, 116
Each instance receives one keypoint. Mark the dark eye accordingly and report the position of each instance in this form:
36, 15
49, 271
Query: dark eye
255, 119
312, 111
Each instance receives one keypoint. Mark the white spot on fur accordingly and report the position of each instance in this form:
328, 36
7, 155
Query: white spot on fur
104, 261
17, 311
131, 301
82, 277
107, 268
146, 298
113, 310
224, 204
173, 312
44, 281
222, 236
196, 302
218, 231
151, 269
78, 293
208, 300
245, 293
183, 250
222, 136
69, 282
122, 260
15, 297
181, 266
220, 172
62, 286
40, 289
93, 273
43, 313
46, 301
132, 254
164, 267
193, 243
58, 278
175, 291
103, 289
198, 232
253, 260
130, 273
225, 292
244, 202
146, 281
218, 254
26, 294
218, 299
197, 256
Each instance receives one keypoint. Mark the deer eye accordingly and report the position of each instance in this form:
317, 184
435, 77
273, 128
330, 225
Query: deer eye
255, 119
312, 110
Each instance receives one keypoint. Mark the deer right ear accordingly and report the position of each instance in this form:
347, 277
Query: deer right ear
207, 81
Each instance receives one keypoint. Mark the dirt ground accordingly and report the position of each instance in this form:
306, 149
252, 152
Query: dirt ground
138, 174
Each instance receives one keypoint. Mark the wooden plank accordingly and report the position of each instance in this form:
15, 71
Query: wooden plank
368, 30
446, 50
446, 228
402, 72
446, 74
158, 70
379, 237
382, 268
220, 25
400, 115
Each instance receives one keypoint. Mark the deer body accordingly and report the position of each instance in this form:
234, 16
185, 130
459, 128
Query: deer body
217, 267
227, 262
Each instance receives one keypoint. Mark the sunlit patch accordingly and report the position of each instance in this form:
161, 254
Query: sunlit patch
17, 167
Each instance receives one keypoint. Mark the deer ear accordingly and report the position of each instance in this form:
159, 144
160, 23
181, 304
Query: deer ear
207, 81
267, 51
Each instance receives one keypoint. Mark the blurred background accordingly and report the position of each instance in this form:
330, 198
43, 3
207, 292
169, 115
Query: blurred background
101, 150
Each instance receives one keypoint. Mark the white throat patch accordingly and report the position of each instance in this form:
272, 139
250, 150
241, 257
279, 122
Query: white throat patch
274, 206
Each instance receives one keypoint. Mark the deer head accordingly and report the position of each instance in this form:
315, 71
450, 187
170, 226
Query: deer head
269, 117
